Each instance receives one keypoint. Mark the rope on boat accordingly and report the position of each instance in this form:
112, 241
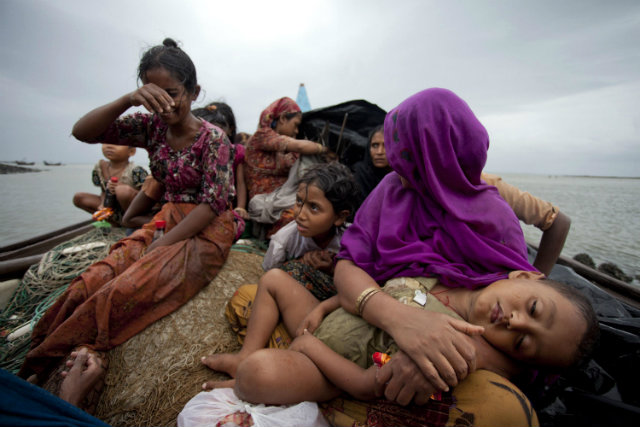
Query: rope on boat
42, 284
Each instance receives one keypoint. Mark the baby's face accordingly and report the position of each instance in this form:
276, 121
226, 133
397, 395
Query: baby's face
529, 321
116, 153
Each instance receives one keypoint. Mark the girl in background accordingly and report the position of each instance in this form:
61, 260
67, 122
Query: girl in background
324, 201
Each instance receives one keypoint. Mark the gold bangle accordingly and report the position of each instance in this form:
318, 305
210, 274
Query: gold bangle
320, 148
365, 295
366, 300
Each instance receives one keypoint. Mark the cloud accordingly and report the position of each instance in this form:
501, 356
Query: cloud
553, 81
587, 133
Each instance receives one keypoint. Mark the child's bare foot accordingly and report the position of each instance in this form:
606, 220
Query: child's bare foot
210, 385
85, 372
224, 362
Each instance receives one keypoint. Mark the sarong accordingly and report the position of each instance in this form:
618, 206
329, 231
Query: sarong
119, 296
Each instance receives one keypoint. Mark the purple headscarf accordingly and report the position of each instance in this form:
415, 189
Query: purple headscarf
450, 224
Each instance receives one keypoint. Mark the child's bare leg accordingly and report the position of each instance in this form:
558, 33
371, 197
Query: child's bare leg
281, 377
278, 294
85, 371
87, 201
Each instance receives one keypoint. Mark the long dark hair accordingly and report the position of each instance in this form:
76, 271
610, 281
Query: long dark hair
173, 59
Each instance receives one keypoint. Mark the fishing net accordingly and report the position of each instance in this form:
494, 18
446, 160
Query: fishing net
154, 374
41, 286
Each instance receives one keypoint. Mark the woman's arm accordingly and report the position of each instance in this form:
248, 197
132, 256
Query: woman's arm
303, 146
437, 343
97, 121
191, 225
551, 243
138, 213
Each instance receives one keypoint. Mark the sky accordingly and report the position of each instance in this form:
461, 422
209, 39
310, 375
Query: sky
556, 83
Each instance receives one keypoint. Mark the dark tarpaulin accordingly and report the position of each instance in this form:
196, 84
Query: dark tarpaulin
362, 117
605, 392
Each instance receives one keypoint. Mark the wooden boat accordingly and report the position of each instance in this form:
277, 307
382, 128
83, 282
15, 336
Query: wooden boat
52, 164
16, 258
594, 399
23, 163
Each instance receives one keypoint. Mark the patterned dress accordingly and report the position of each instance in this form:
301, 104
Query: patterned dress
119, 296
267, 159
132, 175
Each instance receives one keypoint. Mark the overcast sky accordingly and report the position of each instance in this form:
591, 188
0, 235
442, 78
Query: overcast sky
556, 83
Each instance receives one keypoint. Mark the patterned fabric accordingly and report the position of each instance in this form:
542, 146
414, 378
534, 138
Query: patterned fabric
199, 173
277, 108
320, 284
447, 223
119, 296
238, 311
483, 399
267, 162
132, 175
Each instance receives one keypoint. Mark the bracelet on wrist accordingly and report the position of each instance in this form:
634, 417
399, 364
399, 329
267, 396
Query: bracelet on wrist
364, 297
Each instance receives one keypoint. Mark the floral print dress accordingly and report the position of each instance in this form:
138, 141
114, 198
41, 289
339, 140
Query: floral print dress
119, 296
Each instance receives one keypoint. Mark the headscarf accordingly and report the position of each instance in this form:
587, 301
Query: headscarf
277, 108
366, 174
450, 224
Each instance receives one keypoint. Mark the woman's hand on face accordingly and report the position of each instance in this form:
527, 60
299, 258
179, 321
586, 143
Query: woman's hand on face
152, 97
401, 381
440, 345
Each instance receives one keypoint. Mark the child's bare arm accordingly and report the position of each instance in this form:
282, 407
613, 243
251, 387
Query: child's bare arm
315, 316
344, 374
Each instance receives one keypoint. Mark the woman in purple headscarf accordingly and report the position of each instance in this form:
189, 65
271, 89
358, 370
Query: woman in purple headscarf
432, 217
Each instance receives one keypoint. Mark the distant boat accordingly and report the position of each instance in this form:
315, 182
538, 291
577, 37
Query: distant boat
52, 164
23, 163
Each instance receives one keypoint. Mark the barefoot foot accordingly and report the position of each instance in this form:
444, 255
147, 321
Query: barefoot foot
224, 362
85, 372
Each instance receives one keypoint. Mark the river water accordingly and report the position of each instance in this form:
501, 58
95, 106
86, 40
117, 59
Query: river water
605, 212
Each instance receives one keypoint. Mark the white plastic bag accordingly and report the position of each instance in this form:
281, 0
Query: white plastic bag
210, 407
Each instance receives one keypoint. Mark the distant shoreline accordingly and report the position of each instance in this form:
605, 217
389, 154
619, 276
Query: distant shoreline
596, 176
6, 169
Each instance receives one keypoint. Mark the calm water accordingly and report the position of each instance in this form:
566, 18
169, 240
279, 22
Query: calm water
605, 212
605, 215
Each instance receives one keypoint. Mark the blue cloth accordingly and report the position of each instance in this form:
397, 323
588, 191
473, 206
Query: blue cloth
24, 404
302, 100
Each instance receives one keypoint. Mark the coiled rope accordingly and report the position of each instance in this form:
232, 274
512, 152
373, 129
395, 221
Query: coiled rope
42, 284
